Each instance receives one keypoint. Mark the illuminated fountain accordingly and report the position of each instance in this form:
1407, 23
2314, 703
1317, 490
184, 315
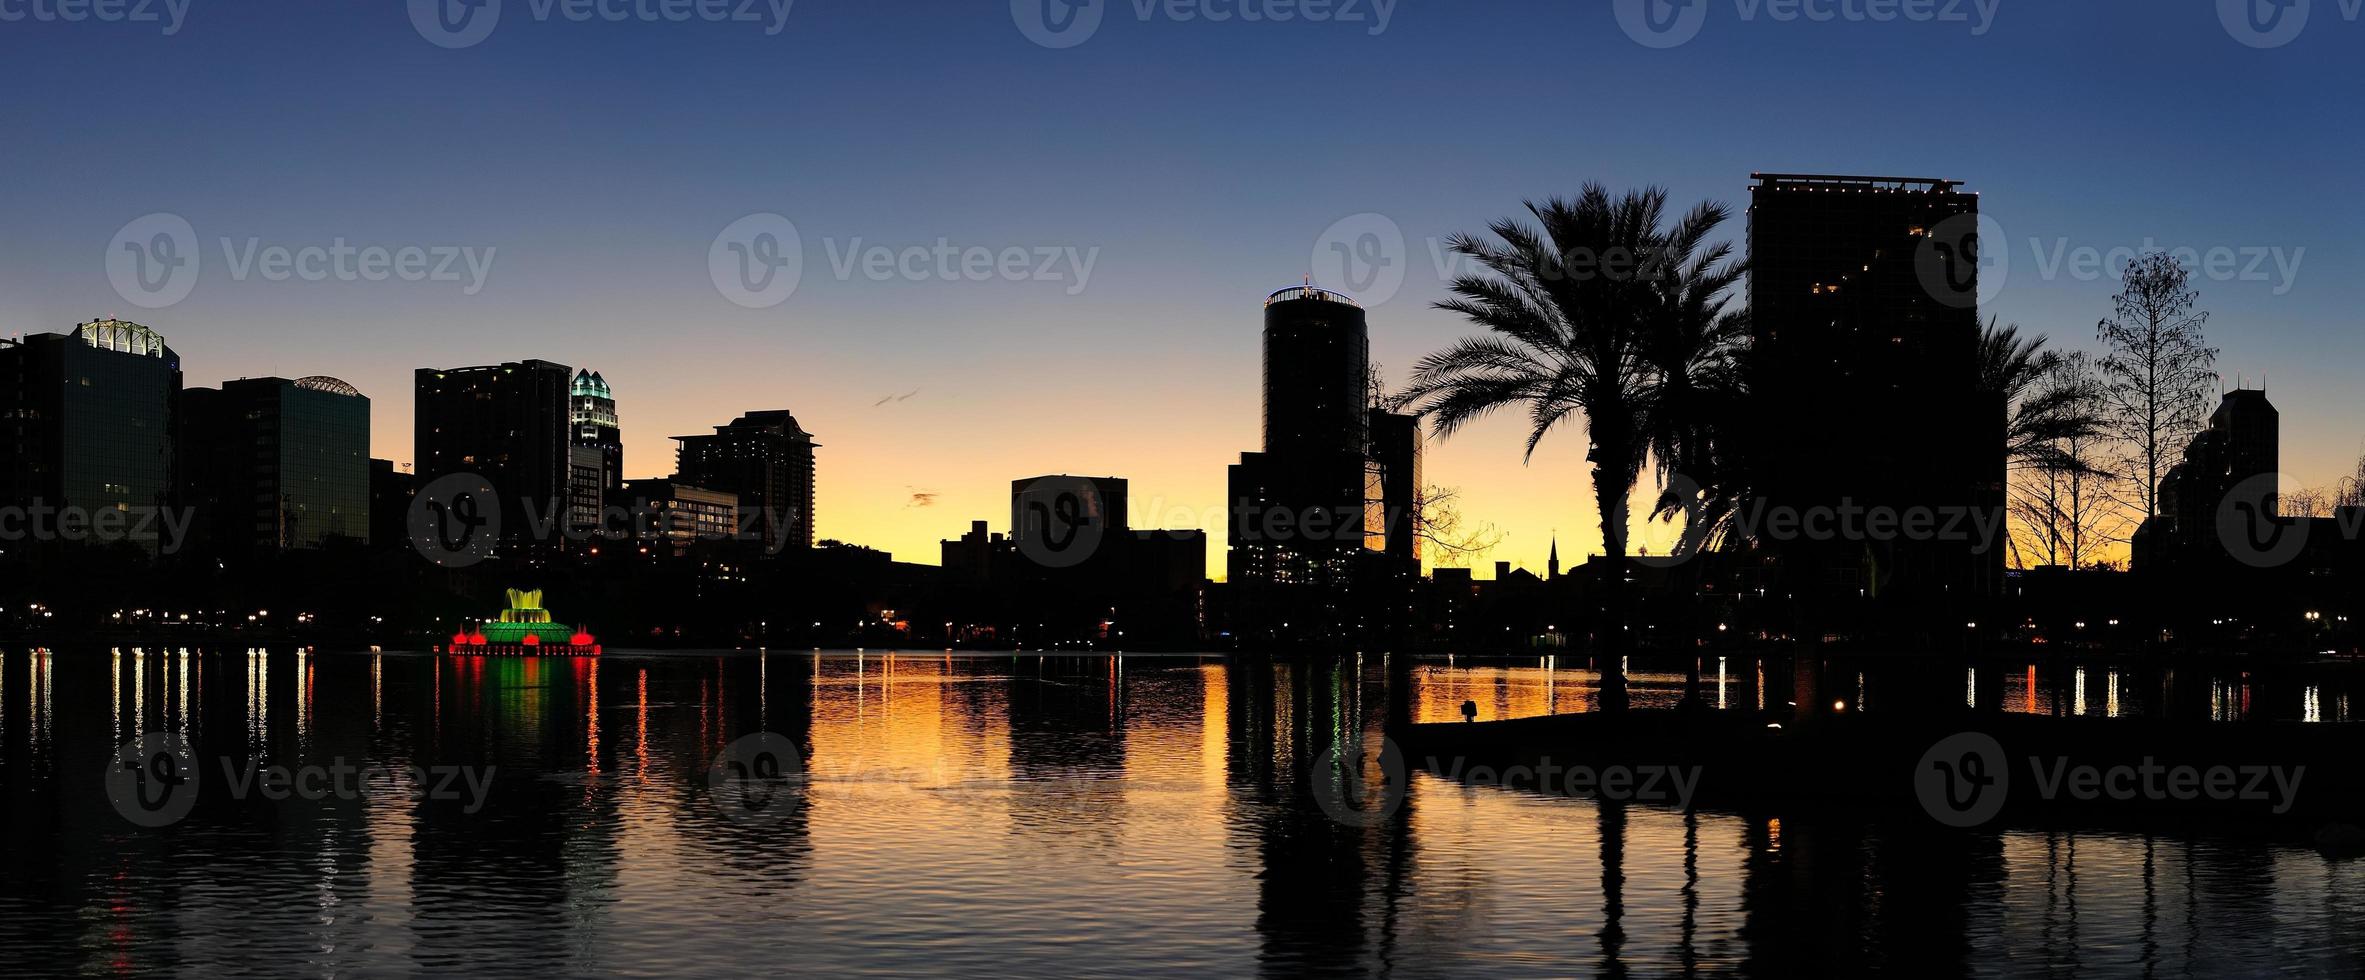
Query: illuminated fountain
525, 629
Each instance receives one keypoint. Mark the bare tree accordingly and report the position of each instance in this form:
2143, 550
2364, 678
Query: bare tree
2057, 487
1437, 519
2155, 379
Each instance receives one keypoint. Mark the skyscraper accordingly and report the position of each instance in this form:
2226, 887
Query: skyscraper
1396, 447
1864, 299
1305, 510
507, 423
272, 464
765, 458
596, 466
89, 419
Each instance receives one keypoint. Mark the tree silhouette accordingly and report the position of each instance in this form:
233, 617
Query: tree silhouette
1571, 303
2155, 379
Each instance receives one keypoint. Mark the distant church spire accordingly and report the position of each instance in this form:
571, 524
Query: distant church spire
1552, 566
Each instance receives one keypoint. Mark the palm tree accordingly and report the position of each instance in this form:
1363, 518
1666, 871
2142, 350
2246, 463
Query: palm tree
1571, 303
2012, 369
2046, 405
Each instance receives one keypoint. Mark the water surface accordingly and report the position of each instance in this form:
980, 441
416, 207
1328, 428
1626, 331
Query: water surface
998, 814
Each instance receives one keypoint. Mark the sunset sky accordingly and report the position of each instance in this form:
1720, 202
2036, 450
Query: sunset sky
1197, 164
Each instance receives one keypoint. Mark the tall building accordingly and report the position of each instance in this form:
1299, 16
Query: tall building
271, 464
1396, 447
1304, 512
89, 418
507, 423
1864, 300
767, 460
597, 464
2240, 444
391, 490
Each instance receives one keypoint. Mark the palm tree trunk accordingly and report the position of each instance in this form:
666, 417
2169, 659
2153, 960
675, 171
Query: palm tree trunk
1609, 497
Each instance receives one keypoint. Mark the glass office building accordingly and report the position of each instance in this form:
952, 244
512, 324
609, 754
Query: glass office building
274, 464
89, 420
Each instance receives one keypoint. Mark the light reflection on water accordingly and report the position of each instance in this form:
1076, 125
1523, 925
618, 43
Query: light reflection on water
1000, 814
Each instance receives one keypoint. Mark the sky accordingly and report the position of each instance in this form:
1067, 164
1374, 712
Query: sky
1100, 196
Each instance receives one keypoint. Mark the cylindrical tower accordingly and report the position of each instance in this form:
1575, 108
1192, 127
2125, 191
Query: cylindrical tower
1317, 374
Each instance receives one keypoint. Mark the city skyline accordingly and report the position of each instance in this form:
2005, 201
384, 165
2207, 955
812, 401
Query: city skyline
1162, 329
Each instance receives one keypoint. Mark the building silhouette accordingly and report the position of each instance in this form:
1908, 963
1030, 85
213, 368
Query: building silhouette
90, 418
507, 423
596, 457
271, 464
1864, 302
1046, 511
2237, 453
1396, 447
766, 459
1303, 510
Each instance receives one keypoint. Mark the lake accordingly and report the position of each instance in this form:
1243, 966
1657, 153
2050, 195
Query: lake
1073, 815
